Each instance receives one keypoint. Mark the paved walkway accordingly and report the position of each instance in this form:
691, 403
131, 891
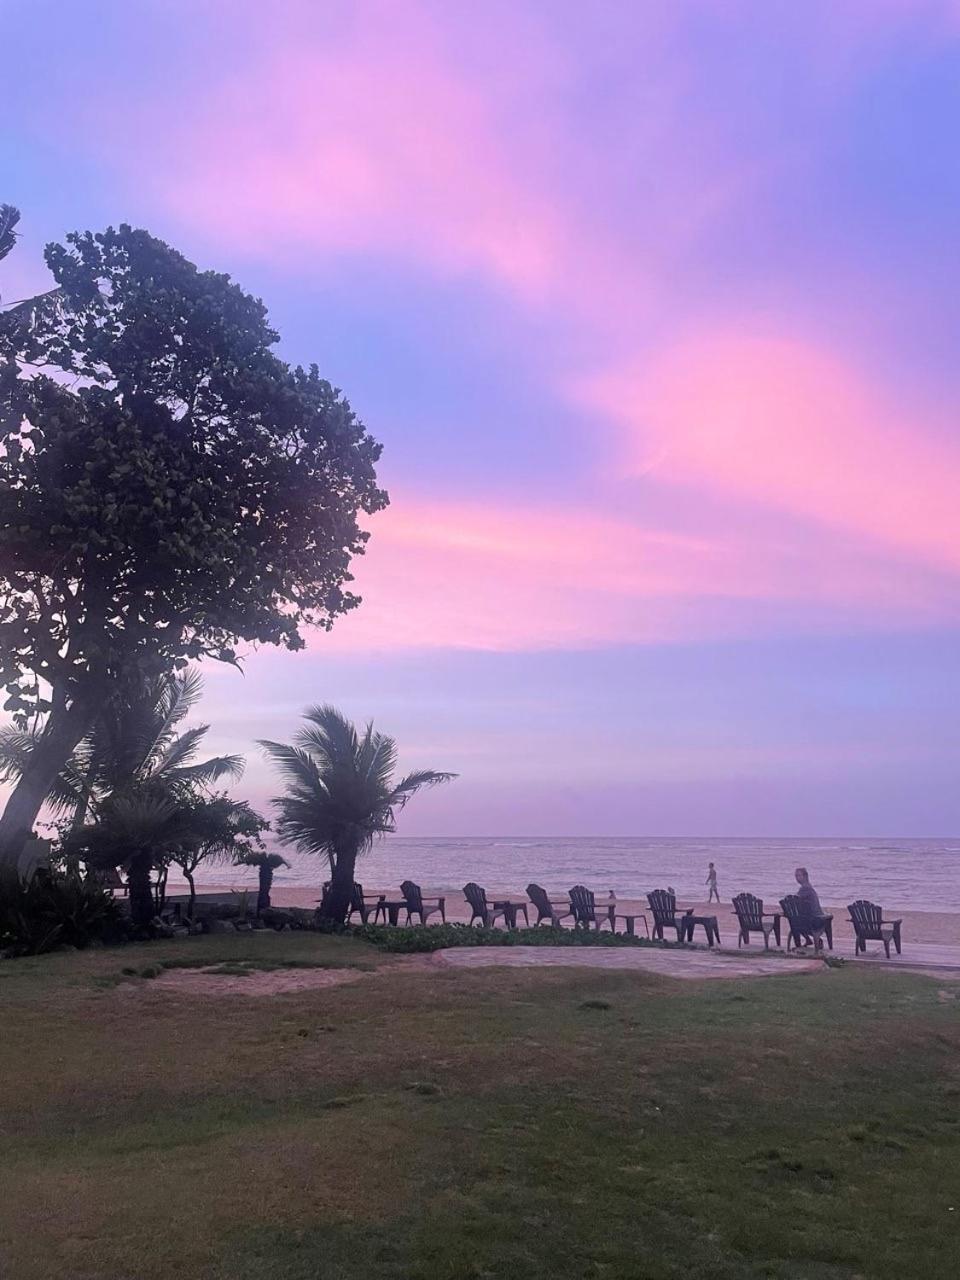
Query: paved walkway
928, 956
696, 964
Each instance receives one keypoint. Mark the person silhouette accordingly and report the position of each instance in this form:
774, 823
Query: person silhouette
711, 880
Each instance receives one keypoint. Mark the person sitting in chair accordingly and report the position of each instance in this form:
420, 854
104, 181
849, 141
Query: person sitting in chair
815, 919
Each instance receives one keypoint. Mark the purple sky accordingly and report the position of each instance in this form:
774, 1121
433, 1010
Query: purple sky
655, 308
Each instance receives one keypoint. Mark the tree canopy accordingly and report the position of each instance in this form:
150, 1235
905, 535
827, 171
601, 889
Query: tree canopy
169, 487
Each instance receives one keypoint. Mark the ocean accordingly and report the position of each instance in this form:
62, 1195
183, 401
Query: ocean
919, 875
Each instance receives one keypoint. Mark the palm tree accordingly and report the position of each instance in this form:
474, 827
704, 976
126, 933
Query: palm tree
341, 795
132, 831
267, 864
133, 741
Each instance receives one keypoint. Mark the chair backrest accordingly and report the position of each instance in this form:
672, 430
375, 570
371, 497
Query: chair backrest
412, 895
749, 909
477, 897
663, 904
866, 917
792, 908
540, 899
583, 904
356, 897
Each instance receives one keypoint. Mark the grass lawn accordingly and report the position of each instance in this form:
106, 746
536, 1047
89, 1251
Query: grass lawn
443, 1125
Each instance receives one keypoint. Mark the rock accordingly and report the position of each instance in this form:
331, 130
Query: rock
219, 926
277, 919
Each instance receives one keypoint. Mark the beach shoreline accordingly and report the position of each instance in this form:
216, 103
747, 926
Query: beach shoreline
941, 927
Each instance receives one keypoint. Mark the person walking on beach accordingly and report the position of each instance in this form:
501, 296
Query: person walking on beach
711, 880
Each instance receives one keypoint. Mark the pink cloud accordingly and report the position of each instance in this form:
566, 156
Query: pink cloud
790, 426
392, 136
500, 578
364, 141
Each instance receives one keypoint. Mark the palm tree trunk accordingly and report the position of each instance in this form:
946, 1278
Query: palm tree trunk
336, 902
141, 894
266, 881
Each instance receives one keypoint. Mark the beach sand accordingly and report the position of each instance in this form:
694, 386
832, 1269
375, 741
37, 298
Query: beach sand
941, 927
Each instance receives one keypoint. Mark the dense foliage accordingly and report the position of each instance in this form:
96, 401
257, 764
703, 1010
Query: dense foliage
168, 487
50, 911
341, 795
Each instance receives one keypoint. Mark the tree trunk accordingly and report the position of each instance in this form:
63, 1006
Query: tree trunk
336, 902
191, 905
160, 890
141, 894
65, 726
266, 881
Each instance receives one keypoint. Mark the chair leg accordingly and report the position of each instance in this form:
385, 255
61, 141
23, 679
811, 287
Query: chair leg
886, 946
896, 940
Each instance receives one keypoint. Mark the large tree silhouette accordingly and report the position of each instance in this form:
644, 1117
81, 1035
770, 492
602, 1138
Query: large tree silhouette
168, 487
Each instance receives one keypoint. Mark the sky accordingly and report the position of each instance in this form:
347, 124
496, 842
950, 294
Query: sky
654, 307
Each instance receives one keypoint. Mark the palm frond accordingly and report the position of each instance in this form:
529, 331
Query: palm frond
209, 771
16, 748
297, 766
377, 757
173, 698
9, 217
260, 858
409, 785
179, 751
332, 737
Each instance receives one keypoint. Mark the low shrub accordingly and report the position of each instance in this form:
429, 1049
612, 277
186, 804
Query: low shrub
51, 911
437, 937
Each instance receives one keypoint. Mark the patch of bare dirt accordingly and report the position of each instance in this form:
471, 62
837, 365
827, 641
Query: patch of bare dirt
269, 982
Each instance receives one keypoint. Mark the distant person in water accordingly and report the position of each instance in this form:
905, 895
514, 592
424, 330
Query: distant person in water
711, 880
813, 914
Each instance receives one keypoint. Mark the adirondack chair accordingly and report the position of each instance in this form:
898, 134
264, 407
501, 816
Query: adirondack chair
484, 911
663, 904
870, 926
358, 903
803, 930
753, 919
584, 906
547, 909
109, 878
417, 905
